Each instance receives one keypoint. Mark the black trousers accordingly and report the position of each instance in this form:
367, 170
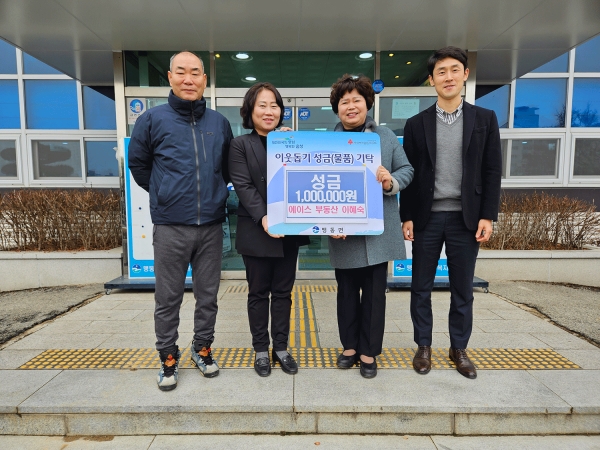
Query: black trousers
461, 252
361, 318
273, 276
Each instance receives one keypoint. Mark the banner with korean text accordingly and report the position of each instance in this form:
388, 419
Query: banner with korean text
323, 183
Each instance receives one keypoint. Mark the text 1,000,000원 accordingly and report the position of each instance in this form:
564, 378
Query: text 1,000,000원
334, 196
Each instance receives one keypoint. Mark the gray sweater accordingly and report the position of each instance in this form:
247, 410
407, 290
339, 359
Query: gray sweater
448, 165
363, 251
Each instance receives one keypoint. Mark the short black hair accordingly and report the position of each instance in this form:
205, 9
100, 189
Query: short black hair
447, 52
347, 83
250, 101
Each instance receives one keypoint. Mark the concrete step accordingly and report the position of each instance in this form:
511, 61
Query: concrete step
324, 401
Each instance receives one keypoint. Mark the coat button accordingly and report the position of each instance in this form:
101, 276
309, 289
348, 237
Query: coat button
262, 179
430, 189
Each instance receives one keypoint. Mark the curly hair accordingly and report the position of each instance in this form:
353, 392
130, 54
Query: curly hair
347, 83
250, 101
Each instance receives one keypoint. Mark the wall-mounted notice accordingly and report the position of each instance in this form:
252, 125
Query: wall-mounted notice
404, 108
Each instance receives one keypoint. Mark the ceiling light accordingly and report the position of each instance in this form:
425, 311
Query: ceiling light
320, 129
383, 124
242, 56
217, 55
250, 78
390, 55
326, 108
397, 76
408, 62
365, 55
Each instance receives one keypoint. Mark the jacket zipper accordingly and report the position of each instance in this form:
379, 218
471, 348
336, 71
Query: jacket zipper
193, 125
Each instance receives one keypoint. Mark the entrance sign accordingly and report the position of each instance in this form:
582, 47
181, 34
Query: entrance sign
323, 183
403, 267
136, 107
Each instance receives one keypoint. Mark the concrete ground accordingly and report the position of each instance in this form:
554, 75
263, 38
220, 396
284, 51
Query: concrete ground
576, 308
22, 310
249, 442
126, 404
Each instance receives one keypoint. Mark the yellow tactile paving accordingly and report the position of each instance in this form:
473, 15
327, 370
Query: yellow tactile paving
307, 357
297, 288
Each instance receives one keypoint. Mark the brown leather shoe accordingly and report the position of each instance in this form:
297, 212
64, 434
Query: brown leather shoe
422, 360
463, 364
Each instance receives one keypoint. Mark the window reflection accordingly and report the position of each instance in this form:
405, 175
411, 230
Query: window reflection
498, 101
56, 159
560, 64
98, 110
586, 56
533, 157
32, 65
8, 159
51, 104
540, 103
8, 58
587, 157
586, 102
100, 159
9, 104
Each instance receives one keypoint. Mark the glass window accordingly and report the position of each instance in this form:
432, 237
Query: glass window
586, 56
290, 69
404, 68
317, 118
586, 102
497, 101
8, 159
8, 58
393, 112
560, 64
149, 68
231, 259
540, 103
51, 104
531, 157
587, 157
9, 104
32, 65
100, 159
56, 159
232, 113
98, 110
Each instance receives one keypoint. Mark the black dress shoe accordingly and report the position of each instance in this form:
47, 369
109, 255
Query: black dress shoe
347, 362
288, 364
262, 367
368, 370
464, 366
422, 360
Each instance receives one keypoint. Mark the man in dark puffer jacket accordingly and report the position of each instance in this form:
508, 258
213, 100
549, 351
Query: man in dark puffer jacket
178, 153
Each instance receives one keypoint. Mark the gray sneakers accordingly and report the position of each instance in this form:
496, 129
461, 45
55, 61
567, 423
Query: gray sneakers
169, 368
204, 361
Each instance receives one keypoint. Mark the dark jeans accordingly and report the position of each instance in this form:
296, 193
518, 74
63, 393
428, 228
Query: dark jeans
361, 318
175, 247
275, 276
461, 252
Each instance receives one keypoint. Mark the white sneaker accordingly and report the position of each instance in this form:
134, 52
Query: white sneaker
204, 361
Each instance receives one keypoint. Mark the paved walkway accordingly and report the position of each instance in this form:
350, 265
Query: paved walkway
319, 399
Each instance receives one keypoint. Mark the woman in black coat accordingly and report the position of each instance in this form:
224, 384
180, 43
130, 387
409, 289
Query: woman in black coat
270, 260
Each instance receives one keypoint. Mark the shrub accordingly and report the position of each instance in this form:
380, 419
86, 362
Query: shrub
47, 220
544, 222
